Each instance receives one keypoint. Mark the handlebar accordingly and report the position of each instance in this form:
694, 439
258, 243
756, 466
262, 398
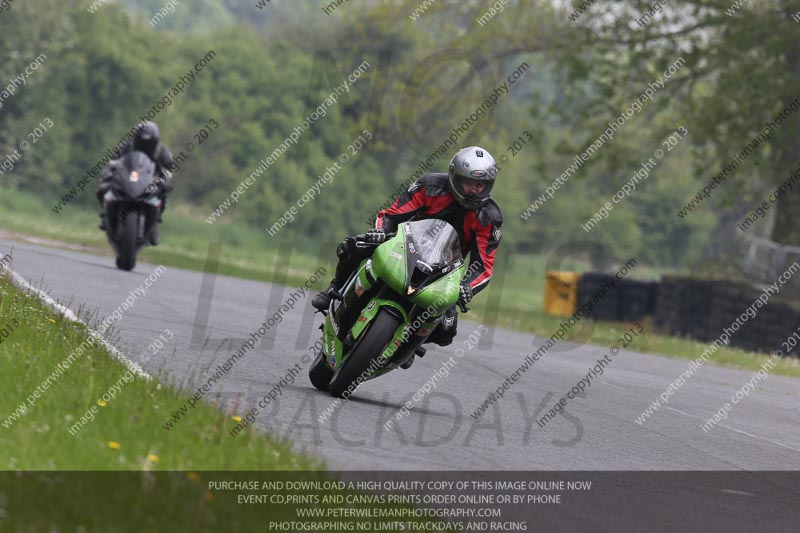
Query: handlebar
463, 307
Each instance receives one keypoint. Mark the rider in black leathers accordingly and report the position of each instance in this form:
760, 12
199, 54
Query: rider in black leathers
146, 140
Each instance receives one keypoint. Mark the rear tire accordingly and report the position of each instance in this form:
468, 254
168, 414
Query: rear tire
369, 348
126, 259
320, 374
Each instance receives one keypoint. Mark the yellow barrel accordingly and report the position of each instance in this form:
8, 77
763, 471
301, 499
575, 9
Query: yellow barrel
561, 292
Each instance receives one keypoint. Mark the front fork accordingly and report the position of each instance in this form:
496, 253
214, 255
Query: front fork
116, 208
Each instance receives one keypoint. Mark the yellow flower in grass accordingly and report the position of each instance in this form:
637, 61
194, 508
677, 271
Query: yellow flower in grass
193, 476
51, 320
101, 402
114, 445
153, 458
237, 418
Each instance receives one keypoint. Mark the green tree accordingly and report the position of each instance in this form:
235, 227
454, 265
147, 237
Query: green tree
742, 66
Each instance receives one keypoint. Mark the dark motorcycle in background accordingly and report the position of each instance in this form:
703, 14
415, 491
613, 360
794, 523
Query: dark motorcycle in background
132, 206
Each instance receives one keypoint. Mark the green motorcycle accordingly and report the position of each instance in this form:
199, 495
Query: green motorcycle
389, 306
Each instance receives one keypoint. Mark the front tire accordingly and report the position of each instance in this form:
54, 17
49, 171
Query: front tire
368, 349
126, 259
320, 374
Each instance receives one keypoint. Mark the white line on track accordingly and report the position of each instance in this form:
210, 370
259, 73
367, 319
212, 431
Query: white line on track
734, 429
67, 313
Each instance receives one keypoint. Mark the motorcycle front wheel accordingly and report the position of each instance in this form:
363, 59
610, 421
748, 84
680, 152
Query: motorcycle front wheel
375, 339
126, 258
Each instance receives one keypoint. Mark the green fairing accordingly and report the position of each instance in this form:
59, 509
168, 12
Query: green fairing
388, 264
441, 294
438, 296
362, 276
332, 346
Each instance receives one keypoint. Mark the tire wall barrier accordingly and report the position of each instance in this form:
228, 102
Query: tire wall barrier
694, 308
630, 300
703, 309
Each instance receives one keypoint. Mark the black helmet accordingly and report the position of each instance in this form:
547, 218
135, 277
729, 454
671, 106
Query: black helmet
474, 164
146, 138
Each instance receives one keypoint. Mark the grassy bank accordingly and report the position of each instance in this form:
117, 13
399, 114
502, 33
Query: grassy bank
248, 252
123, 432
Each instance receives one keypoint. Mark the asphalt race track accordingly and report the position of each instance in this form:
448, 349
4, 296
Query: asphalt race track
596, 432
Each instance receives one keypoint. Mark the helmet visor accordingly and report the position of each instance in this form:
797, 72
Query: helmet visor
473, 191
146, 144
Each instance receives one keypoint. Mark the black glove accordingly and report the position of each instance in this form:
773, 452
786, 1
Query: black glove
164, 181
345, 248
464, 295
375, 236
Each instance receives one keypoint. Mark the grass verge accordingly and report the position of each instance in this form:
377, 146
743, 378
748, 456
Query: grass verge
123, 433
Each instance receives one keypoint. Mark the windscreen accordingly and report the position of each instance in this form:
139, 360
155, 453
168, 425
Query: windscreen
138, 161
136, 174
436, 241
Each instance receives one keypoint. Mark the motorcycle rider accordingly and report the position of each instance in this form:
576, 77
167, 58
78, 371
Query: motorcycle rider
463, 198
146, 140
